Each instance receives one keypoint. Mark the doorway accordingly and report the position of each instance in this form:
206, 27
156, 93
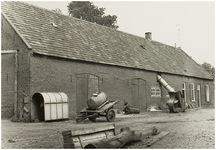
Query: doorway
138, 89
8, 83
86, 85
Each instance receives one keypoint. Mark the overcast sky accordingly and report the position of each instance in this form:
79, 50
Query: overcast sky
191, 25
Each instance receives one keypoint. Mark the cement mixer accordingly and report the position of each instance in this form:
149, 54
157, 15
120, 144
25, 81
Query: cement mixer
176, 103
98, 106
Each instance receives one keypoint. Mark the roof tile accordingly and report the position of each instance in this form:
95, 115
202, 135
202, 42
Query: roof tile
81, 40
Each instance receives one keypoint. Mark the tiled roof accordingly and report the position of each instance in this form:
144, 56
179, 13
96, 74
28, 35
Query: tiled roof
81, 40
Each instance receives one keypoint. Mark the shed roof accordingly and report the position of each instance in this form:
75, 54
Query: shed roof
54, 34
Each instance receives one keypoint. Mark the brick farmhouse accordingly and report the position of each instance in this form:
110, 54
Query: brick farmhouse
44, 51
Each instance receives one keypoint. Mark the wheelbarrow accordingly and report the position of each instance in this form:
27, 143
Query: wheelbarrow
104, 110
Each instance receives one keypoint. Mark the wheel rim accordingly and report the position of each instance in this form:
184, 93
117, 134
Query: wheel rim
110, 115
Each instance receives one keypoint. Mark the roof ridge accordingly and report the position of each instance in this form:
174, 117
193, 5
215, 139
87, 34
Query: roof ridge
83, 20
83, 40
71, 17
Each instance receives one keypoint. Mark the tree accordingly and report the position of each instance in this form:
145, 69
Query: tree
87, 11
209, 68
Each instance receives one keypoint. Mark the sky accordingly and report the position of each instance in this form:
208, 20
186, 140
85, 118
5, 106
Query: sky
189, 24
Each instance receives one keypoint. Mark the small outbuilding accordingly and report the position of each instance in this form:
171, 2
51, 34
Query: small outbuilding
47, 52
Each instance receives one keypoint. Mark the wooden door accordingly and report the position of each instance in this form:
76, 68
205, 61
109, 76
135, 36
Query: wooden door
92, 85
138, 93
8, 84
86, 85
81, 91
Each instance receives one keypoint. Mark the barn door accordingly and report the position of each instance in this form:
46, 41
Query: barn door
8, 84
138, 93
86, 85
92, 85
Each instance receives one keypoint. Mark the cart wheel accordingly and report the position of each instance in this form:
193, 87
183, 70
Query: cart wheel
110, 115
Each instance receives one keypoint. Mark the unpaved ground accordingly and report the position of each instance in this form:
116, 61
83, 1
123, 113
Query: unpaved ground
192, 129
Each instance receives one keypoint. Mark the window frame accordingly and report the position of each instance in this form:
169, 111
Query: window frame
199, 99
193, 93
158, 92
207, 93
184, 89
155, 92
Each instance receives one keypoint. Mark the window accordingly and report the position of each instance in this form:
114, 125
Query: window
155, 92
158, 92
192, 92
198, 96
207, 93
184, 91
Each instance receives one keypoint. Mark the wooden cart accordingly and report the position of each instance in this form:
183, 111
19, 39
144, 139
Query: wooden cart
104, 110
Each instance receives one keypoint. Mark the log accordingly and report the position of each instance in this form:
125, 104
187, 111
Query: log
156, 138
118, 141
131, 110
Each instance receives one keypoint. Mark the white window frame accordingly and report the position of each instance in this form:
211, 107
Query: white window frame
192, 93
153, 92
199, 94
207, 93
158, 92
184, 89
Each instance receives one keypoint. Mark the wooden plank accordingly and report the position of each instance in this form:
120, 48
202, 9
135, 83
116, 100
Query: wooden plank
156, 138
91, 130
109, 134
81, 142
83, 137
76, 142
88, 138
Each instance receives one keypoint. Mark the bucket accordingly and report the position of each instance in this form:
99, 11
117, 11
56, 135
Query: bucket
96, 101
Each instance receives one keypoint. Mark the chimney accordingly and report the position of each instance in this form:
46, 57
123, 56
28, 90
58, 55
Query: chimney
148, 36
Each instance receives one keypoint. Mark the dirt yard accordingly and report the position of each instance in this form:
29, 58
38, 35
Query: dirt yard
193, 129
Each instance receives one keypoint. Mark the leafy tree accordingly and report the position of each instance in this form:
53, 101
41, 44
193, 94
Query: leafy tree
87, 11
209, 68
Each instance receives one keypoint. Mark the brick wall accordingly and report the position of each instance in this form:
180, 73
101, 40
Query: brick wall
51, 74
177, 81
11, 41
8, 87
